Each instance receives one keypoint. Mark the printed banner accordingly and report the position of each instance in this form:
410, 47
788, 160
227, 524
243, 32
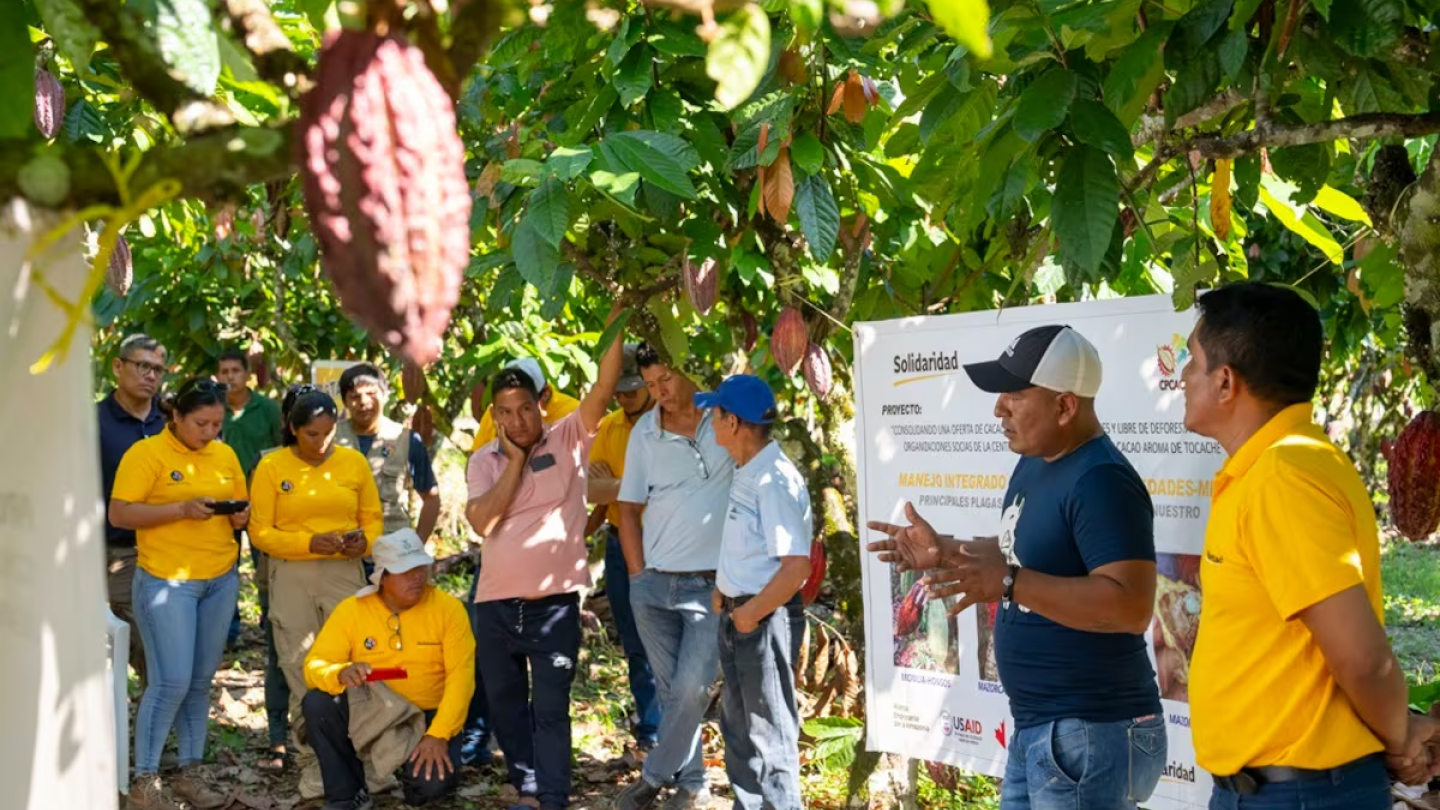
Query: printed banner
928, 436
326, 375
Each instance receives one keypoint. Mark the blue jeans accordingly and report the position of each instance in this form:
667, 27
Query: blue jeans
1359, 785
530, 649
642, 677
183, 624
677, 624
759, 716
1082, 765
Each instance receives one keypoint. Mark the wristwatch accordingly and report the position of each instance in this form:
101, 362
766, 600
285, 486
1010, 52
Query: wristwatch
1009, 582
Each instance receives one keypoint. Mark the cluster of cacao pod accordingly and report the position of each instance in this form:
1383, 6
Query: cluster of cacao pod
791, 347
383, 173
1414, 476
49, 103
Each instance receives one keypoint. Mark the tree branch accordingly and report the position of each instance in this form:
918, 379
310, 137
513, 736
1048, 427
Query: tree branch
1153, 126
218, 166
275, 60
473, 26
1363, 127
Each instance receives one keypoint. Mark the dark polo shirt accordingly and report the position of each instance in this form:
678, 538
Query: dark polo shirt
119, 430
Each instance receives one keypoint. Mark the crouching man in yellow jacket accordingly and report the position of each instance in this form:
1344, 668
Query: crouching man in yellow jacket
416, 639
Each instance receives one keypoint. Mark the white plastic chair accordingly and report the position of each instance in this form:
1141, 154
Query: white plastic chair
117, 635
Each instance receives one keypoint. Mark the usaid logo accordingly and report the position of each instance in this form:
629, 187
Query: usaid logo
964, 727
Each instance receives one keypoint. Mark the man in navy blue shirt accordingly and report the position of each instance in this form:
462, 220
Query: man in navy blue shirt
1074, 571
125, 416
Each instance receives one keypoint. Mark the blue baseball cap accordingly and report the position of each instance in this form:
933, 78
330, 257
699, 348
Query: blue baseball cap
744, 395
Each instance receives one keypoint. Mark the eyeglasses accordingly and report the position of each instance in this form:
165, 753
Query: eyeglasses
205, 387
143, 368
394, 624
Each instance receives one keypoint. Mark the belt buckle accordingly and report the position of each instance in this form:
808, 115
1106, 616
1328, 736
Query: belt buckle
1241, 783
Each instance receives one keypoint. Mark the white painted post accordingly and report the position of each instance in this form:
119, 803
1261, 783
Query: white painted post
55, 702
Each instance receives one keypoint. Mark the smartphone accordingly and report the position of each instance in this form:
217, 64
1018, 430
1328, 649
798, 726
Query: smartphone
354, 535
229, 507
387, 674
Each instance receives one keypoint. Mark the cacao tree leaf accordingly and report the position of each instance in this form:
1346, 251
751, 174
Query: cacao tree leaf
674, 38
1334, 201
779, 190
1194, 84
945, 104
739, 55
635, 75
1322, 6
968, 21
622, 187
74, 35
819, 215
17, 73
1135, 75
611, 332
746, 152
1044, 104
808, 153
1382, 276
1195, 30
85, 123
549, 211
672, 334
1085, 207
1367, 91
1009, 195
567, 163
522, 172
957, 69
807, 15
1306, 167
1247, 181
186, 36
535, 258
653, 166
626, 36
1096, 125
1303, 224
918, 100
556, 292
676, 147
1232, 54
666, 110
1366, 27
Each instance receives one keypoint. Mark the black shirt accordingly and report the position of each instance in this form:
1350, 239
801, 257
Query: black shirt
118, 430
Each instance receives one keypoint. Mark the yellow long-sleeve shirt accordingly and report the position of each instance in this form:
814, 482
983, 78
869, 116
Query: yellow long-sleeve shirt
437, 652
291, 501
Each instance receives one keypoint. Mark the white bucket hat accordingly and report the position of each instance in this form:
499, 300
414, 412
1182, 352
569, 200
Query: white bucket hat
396, 553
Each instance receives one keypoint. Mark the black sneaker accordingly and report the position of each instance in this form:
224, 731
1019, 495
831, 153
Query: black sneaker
683, 799
639, 796
361, 801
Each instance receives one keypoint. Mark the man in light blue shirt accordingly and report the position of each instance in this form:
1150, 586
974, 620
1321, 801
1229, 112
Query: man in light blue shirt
764, 561
672, 500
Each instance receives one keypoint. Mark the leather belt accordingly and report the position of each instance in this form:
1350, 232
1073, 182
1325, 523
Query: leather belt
705, 574
1249, 780
729, 603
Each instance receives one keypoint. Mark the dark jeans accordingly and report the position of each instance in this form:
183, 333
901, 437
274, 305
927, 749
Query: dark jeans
477, 720
642, 678
530, 648
1359, 785
759, 717
327, 725
277, 689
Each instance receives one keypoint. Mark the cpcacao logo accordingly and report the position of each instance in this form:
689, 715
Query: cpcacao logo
953, 726
1169, 359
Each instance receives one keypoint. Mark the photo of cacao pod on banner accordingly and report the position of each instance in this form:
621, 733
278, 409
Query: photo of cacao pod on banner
1177, 622
985, 616
925, 637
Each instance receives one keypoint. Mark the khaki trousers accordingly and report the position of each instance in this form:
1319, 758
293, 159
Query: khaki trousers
303, 594
119, 580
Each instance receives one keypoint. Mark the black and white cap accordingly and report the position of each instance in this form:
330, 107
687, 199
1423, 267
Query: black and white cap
1054, 357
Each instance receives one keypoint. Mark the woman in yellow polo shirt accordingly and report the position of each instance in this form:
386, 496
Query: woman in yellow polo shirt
166, 489
316, 511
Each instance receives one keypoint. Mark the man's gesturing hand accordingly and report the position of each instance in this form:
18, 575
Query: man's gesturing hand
432, 756
976, 573
911, 548
353, 676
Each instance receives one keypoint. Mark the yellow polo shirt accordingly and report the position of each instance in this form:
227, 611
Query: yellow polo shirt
162, 470
291, 501
610, 443
1291, 525
437, 650
561, 405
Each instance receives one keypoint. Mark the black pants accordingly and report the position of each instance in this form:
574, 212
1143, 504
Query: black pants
527, 652
327, 723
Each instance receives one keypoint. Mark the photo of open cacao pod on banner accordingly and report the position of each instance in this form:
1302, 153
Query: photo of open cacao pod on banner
1414, 476
1177, 622
383, 171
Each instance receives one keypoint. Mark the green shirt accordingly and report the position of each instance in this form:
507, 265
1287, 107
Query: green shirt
253, 428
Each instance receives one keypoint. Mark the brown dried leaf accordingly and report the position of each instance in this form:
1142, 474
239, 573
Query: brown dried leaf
779, 189
1220, 199
764, 139
821, 665
855, 102
802, 664
489, 176
849, 681
836, 99
792, 67
760, 184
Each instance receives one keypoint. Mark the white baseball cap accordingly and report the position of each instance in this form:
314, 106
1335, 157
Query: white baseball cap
1053, 357
395, 553
532, 369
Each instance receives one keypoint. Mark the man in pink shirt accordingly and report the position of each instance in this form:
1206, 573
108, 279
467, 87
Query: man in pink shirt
527, 500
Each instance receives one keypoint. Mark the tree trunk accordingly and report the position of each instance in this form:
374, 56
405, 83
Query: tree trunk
55, 703
1420, 254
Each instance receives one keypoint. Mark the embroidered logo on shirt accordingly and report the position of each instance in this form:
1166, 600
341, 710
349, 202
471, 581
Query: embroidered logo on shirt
286, 486
1009, 520
176, 476
1214, 558
369, 642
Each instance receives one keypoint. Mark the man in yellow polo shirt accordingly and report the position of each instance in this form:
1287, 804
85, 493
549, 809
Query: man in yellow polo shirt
554, 405
1296, 698
400, 622
607, 465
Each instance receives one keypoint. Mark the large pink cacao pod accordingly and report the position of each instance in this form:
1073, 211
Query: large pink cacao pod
383, 171
49, 103
701, 284
121, 271
789, 340
818, 374
1415, 476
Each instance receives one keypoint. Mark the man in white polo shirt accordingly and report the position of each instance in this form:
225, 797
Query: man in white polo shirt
764, 560
679, 477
